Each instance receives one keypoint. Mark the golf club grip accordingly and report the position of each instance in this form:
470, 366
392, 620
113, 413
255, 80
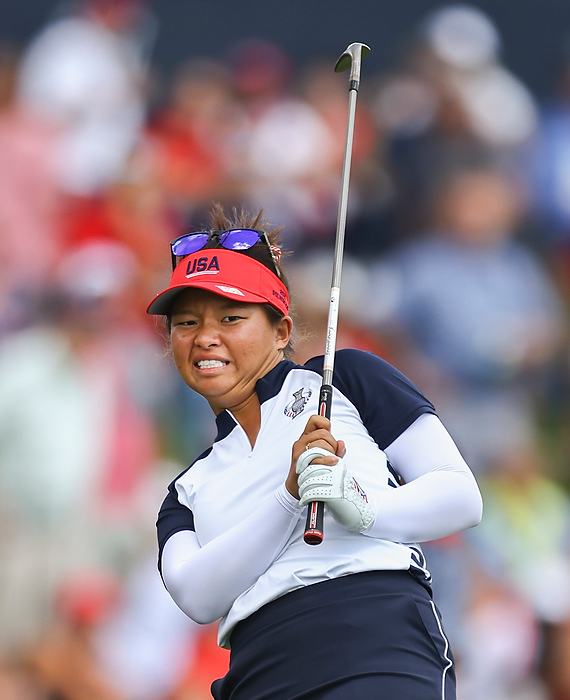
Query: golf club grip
314, 526
314, 530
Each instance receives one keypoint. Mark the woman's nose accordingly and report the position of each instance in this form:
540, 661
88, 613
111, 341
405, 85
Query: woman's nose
207, 336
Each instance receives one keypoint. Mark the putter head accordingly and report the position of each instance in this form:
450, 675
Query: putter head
352, 57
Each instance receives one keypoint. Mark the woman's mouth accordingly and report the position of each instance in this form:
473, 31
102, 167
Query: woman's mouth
208, 364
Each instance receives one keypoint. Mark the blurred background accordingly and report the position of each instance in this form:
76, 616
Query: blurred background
121, 121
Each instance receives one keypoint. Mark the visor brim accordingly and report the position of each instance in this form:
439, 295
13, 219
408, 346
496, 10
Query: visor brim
161, 305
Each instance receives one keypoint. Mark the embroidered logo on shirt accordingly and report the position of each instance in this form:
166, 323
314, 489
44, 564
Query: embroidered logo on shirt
300, 398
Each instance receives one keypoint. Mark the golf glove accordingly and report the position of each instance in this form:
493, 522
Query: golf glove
333, 485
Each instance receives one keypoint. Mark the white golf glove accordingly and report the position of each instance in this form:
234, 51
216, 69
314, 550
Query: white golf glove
336, 487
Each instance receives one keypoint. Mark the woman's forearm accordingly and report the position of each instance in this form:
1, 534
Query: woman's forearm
205, 581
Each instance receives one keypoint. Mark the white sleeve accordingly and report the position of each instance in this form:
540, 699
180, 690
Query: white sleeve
440, 495
205, 581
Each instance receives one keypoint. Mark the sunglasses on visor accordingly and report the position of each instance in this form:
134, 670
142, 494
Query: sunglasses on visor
234, 239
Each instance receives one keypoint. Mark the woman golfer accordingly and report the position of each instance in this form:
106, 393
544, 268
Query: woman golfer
353, 617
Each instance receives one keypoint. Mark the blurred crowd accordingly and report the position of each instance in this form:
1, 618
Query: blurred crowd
456, 270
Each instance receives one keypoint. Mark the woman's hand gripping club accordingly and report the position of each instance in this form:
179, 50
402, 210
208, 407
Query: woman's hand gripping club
319, 473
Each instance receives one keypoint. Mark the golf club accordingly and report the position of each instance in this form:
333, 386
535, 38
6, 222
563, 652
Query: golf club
352, 59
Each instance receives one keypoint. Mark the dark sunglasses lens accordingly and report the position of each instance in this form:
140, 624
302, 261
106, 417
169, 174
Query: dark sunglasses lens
189, 244
239, 239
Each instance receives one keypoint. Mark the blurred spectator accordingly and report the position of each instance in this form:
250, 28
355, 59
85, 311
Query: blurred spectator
476, 319
261, 72
110, 640
503, 643
500, 109
369, 216
285, 147
475, 322
77, 438
63, 660
85, 73
192, 138
550, 178
523, 546
134, 213
451, 96
31, 238
148, 649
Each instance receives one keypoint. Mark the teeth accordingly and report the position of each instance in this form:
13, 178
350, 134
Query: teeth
204, 364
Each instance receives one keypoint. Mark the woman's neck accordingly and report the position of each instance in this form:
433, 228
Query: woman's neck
249, 417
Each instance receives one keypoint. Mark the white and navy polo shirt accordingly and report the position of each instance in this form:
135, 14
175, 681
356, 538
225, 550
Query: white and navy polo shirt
373, 403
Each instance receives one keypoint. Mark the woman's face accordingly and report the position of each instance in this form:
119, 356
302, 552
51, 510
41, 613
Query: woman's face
221, 348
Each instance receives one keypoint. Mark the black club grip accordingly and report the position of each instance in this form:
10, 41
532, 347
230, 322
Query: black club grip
316, 510
314, 525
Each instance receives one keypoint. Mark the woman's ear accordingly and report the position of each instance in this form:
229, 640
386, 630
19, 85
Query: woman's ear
283, 331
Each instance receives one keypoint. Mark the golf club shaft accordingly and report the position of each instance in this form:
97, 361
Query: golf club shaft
351, 57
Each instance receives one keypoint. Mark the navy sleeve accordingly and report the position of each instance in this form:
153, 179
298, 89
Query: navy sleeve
386, 400
172, 517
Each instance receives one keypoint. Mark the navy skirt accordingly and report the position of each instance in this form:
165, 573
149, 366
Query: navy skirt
372, 635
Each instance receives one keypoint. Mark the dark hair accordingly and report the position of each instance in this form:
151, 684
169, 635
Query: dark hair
219, 220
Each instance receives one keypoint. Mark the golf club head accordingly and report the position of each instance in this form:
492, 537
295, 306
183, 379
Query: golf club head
351, 58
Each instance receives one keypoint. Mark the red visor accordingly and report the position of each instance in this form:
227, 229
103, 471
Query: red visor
225, 272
